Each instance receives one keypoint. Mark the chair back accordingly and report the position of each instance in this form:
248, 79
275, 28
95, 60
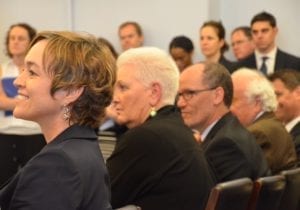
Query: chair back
291, 196
267, 193
230, 195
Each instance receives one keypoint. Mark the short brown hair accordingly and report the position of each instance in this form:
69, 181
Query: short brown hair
75, 61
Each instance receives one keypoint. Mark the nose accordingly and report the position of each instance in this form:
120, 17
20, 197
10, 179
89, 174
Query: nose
19, 81
180, 102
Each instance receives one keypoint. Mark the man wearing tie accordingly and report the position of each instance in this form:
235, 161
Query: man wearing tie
267, 57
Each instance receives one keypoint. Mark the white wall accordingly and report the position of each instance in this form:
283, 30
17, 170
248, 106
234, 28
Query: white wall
160, 19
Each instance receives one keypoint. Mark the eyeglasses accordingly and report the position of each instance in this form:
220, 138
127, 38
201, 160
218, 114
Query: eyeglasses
188, 94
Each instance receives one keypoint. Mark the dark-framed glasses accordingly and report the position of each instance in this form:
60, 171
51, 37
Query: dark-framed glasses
188, 94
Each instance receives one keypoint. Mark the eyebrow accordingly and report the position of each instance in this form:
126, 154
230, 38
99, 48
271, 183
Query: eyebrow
31, 63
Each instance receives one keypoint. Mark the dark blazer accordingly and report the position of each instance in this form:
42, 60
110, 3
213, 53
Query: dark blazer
283, 60
275, 142
295, 132
232, 152
158, 165
230, 65
68, 173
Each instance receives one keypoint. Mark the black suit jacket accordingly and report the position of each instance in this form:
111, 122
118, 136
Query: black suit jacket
158, 165
68, 173
283, 61
232, 152
230, 65
295, 132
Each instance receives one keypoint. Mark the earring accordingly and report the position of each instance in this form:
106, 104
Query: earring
66, 112
152, 112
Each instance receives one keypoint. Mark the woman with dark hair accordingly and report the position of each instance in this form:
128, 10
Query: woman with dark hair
213, 44
181, 49
19, 139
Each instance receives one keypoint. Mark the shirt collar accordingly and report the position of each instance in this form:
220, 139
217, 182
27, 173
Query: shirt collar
289, 126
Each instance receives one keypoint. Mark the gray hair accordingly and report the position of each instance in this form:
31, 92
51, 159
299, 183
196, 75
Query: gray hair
258, 86
153, 65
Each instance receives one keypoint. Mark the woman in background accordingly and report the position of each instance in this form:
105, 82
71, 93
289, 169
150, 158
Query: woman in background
213, 44
181, 49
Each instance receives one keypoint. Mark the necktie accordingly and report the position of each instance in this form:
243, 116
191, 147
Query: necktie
263, 67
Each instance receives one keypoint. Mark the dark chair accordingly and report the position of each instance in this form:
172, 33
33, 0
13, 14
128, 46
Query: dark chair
230, 195
291, 196
267, 193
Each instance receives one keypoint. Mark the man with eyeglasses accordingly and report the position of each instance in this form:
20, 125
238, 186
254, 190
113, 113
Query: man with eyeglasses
204, 97
241, 42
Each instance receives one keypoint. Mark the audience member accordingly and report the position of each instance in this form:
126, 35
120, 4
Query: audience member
286, 84
254, 103
241, 42
181, 49
156, 164
57, 91
267, 56
19, 139
213, 44
204, 98
131, 35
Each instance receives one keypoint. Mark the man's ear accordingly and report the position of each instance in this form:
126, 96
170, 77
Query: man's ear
219, 95
73, 94
156, 93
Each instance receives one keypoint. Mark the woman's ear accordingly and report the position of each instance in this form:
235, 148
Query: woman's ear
156, 93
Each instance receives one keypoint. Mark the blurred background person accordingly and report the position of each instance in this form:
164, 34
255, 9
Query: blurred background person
58, 92
204, 97
241, 42
213, 44
130, 35
181, 48
156, 164
19, 139
254, 103
286, 84
267, 57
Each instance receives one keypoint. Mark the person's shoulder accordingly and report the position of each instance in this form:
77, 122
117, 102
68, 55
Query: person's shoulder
288, 56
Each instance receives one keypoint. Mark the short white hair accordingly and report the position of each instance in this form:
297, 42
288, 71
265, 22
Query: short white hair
258, 86
153, 65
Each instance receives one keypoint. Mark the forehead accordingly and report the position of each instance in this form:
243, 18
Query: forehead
208, 30
261, 24
238, 34
18, 30
128, 29
178, 52
35, 54
127, 72
192, 76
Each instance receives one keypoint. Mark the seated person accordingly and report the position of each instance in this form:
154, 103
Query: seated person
156, 164
181, 49
254, 103
286, 84
204, 98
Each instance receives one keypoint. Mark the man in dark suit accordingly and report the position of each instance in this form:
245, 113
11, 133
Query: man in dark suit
287, 89
204, 98
264, 31
254, 104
